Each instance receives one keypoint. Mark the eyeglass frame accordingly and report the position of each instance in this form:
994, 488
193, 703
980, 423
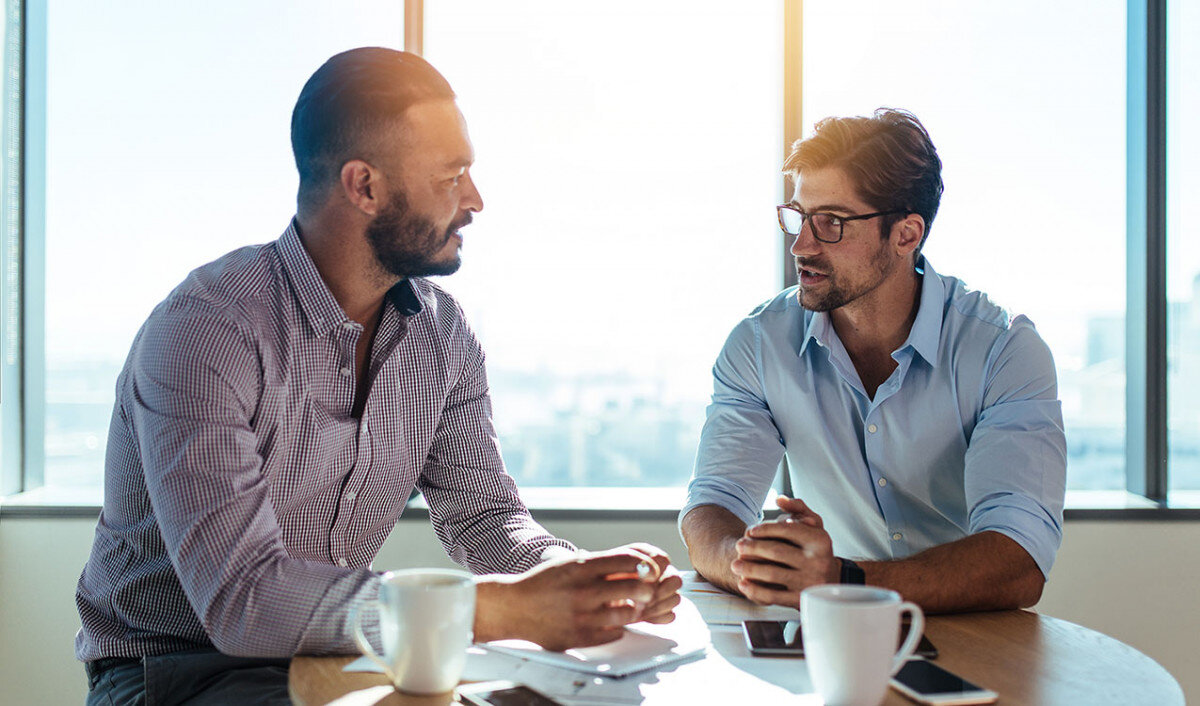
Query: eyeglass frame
842, 220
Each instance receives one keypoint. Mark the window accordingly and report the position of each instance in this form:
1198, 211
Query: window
1029, 120
628, 156
1183, 244
167, 145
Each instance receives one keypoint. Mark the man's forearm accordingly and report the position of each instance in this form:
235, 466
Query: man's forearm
985, 571
711, 533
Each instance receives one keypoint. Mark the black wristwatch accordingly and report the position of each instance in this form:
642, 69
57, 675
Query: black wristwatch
851, 573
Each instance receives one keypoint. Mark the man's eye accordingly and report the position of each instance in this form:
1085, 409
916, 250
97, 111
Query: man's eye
834, 220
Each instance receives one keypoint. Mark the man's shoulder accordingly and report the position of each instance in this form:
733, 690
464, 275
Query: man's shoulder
230, 296
975, 327
973, 311
231, 283
779, 308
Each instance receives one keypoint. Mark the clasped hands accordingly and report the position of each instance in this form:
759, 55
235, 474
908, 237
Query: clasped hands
587, 599
776, 560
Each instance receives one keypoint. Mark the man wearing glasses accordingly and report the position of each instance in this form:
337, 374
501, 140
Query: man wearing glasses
920, 422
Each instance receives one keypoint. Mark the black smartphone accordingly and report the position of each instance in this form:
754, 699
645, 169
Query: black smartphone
503, 693
930, 684
783, 638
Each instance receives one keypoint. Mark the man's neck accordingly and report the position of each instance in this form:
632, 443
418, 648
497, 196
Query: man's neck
875, 325
345, 262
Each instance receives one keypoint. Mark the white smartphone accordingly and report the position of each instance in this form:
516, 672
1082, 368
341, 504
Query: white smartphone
502, 693
927, 683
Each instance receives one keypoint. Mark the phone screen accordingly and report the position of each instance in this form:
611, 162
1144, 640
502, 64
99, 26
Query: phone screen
783, 637
777, 635
513, 696
926, 678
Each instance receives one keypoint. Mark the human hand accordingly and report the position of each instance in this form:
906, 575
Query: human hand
577, 602
779, 559
665, 579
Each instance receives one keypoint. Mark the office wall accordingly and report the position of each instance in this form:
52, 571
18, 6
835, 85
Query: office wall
1136, 581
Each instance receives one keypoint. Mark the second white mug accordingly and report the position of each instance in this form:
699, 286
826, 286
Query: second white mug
850, 636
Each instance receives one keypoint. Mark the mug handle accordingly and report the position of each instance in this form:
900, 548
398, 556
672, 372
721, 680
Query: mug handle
361, 638
914, 635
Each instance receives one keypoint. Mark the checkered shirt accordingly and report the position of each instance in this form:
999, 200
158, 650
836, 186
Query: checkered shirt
243, 503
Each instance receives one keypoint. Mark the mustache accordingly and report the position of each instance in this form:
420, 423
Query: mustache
461, 223
811, 263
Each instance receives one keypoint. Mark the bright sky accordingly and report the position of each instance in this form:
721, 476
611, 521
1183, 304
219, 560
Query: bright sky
628, 154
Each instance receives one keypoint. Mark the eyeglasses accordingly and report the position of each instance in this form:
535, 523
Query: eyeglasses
826, 227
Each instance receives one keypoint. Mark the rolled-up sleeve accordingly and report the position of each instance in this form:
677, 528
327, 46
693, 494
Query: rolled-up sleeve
1016, 461
740, 445
193, 393
473, 502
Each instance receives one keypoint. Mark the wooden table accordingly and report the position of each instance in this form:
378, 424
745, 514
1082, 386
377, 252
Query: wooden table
1025, 657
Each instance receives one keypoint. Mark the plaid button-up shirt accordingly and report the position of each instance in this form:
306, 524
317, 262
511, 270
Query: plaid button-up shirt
243, 502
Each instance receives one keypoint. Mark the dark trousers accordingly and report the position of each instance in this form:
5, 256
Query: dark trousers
195, 677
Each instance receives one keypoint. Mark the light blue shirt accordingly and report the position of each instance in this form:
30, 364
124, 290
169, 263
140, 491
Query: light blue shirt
965, 436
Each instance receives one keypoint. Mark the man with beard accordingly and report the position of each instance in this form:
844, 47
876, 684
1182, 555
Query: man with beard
920, 422
277, 409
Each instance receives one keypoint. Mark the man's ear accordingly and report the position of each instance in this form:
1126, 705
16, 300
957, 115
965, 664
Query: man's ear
360, 184
907, 233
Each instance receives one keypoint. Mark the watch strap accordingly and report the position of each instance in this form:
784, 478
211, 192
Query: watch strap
852, 573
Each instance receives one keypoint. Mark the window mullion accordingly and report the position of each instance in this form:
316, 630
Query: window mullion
1146, 281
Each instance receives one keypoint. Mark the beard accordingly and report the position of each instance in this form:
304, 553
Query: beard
838, 294
407, 244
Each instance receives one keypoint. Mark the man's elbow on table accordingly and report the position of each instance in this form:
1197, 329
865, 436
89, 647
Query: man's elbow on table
1028, 587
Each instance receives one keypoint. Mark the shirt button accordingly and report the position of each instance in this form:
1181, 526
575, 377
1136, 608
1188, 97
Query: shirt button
349, 325
345, 372
882, 482
872, 428
342, 562
351, 495
897, 536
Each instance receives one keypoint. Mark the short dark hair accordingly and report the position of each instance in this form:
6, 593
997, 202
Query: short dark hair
888, 156
350, 99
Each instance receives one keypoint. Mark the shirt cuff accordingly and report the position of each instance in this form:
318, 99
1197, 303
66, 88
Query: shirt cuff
722, 493
1026, 523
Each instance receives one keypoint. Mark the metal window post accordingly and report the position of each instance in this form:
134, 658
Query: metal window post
1146, 262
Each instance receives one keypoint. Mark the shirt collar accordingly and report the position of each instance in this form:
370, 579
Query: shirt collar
320, 307
926, 333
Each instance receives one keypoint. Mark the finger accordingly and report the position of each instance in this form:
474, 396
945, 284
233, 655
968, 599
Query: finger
661, 619
772, 550
769, 596
764, 573
655, 561
659, 609
616, 561
813, 540
798, 509
611, 616
659, 556
610, 591
669, 585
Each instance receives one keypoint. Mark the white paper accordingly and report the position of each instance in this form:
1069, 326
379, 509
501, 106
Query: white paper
720, 608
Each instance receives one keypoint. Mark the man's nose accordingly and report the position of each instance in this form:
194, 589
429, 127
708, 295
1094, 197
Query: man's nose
805, 243
472, 200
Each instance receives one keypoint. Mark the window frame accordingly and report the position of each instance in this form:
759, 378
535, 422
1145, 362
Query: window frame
22, 253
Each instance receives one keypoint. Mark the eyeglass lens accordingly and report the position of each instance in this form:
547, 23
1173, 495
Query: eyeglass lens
822, 224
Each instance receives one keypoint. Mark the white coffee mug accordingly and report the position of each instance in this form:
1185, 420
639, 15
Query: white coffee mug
850, 635
426, 621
